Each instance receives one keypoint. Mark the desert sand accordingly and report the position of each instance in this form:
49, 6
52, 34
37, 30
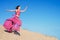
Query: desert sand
24, 35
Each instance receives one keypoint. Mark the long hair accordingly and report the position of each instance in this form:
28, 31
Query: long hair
17, 6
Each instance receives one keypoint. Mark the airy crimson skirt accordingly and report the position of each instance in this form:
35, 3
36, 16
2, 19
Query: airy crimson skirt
13, 23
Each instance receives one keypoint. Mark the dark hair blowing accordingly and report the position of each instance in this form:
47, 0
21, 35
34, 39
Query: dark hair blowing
17, 6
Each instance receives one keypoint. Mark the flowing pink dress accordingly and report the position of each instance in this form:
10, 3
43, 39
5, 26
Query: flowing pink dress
13, 23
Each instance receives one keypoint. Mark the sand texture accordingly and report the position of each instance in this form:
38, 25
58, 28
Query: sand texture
24, 35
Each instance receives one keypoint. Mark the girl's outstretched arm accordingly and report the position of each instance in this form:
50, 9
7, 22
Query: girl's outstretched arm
24, 9
11, 10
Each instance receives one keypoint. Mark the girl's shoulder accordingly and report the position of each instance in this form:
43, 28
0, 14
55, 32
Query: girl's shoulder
17, 10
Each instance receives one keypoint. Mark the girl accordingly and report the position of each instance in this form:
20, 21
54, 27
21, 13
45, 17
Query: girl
14, 23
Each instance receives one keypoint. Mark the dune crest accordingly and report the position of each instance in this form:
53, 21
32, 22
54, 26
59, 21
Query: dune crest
24, 35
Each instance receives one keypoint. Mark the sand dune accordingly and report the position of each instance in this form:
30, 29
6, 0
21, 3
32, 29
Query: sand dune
25, 35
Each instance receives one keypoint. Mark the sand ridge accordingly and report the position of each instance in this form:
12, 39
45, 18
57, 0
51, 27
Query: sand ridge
24, 35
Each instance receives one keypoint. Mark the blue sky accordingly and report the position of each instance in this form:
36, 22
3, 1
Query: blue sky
42, 16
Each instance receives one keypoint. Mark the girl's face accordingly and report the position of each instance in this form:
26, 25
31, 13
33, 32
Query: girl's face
19, 7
